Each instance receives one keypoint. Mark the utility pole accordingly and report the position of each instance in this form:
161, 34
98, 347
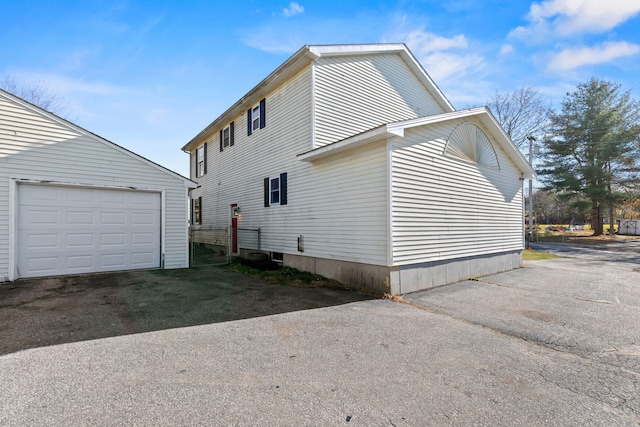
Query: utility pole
531, 141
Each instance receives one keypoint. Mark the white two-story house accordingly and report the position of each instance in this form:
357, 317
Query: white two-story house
355, 166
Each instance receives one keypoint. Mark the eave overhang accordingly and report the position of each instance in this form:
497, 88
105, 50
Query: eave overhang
301, 59
397, 129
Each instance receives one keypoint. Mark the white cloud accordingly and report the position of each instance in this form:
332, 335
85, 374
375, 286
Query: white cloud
506, 49
268, 40
443, 66
62, 84
293, 9
568, 17
422, 42
570, 59
442, 57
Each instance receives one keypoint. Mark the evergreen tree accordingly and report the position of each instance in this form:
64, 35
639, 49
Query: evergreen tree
594, 147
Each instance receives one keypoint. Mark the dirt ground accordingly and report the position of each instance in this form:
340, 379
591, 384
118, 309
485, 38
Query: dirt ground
49, 311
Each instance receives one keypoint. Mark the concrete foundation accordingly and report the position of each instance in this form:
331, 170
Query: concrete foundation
406, 278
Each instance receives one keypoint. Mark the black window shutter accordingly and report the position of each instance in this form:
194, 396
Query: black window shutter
263, 112
201, 210
249, 124
193, 211
205, 158
231, 134
266, 192
220, 139
283, 188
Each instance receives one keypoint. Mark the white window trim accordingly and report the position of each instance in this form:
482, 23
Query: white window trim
272, 191
226, 137
197, 211
255, 118
200, 161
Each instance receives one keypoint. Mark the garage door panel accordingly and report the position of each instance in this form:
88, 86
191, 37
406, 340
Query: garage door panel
42, 217
80, 240
43, 241
105, 233
113, 218
80, 195
142, 258
114, 198
79, 261
113, 239
112, 260
76, 218
139, 218
43, 263
145, 200
38, 194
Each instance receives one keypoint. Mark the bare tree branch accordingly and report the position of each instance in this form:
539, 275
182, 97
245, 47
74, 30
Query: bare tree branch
522, 113
38, 93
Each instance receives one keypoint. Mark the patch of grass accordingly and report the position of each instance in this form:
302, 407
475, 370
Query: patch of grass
533, 255
284, 275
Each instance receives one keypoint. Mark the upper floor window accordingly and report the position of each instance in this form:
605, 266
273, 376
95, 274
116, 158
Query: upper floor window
255, 120
201, 160
256, 117
226, 137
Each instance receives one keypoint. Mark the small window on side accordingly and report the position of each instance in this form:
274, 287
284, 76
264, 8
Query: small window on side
196, 212
226, 137
255, 117
200, 161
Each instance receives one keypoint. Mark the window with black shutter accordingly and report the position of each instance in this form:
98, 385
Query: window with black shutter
256, 117
226, 137
201, 160
196, 210
275, 190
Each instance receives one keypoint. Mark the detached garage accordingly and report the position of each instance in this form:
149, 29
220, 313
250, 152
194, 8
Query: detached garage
72, 202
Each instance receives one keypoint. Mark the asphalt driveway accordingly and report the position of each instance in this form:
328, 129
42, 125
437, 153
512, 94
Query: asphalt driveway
43, 312
555, 343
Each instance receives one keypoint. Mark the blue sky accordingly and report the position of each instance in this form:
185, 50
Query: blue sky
149, 75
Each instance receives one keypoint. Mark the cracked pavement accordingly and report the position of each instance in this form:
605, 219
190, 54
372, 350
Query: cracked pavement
579, 314
556, 343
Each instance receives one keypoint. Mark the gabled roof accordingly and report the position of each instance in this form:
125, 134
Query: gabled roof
26, 104
394, 129
302, 58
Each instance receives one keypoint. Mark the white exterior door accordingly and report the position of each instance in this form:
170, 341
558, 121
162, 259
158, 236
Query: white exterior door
71, 230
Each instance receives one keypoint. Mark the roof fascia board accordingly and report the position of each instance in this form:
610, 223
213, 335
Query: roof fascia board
368, 137
400, 48
26, 104
302, 58
351, 49
397, 129
512, 151
426, 80
489, 121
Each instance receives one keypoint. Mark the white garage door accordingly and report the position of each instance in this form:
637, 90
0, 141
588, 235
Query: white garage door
69, 230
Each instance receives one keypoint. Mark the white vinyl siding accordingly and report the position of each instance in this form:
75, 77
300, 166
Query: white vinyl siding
237, 176
341, 204
357, 93
330, 203
444, 208
34, 146
4, 227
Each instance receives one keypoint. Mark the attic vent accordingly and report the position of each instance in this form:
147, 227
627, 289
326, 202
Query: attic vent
468, 142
